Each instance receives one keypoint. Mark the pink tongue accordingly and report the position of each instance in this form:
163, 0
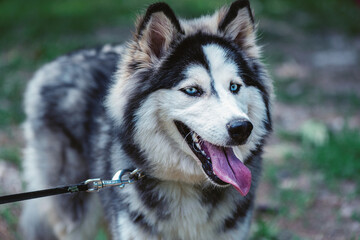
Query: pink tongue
228, 167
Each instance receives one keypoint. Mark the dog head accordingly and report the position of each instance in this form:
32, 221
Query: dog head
191, 99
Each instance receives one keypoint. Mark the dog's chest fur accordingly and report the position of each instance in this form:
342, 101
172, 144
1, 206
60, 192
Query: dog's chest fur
178, 211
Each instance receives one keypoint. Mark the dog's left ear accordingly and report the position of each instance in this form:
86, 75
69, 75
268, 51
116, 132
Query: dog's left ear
157, 29
237, 24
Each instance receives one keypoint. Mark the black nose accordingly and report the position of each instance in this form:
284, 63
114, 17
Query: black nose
239, 130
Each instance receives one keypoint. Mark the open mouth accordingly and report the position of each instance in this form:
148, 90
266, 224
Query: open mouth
218, 162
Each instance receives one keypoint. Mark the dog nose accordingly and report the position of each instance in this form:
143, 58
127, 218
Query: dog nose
239, 130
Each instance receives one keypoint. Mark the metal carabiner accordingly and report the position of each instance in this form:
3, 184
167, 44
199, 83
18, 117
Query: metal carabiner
118, 180
94, 184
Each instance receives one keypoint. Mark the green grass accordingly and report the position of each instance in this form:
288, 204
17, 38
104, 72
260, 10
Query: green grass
313, 15
291, 91
356, 216
338, 158
101, 235
291, 203
10, 215
294, 203
262, 230
334, 153
267, 230
284, 90
11, 89
24, 21
11, 154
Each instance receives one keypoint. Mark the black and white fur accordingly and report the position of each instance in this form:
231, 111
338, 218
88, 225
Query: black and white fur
93, 112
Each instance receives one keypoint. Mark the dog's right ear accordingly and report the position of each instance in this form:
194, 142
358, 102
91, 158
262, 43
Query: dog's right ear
237, 24
157, 29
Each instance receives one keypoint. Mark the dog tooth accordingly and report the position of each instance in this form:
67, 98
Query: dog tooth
193, 136
198, 145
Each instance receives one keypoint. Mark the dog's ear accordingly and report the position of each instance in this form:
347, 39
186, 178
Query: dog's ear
237, 24
157, 29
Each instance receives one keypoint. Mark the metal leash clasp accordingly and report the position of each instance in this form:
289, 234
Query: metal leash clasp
120, 179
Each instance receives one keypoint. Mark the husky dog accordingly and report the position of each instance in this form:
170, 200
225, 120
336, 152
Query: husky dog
186, 101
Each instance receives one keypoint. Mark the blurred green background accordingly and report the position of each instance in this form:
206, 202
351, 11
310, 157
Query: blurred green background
310, 187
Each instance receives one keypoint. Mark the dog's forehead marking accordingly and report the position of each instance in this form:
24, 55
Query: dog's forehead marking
198, 73
201, 75
195, 74
221, 67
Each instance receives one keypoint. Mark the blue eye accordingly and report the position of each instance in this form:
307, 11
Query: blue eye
234, 87
192, 91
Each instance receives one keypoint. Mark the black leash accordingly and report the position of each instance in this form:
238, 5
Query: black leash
44, 193
120, 179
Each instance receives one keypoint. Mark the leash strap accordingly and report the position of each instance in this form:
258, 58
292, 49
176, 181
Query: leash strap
120, 179
44, 193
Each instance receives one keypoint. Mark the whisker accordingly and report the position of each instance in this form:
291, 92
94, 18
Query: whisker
184, 140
